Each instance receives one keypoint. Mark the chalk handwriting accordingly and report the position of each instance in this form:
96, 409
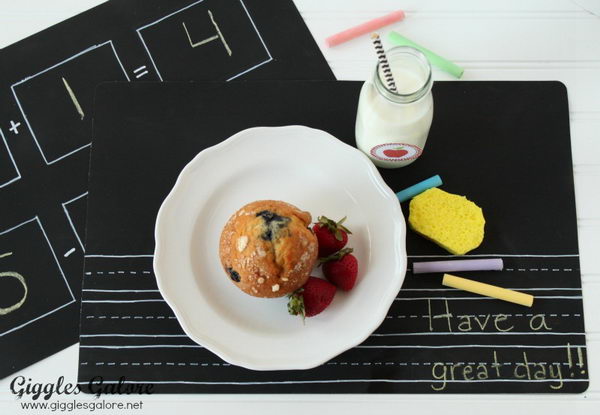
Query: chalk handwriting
525, 369
538, 322
14, 127
462, 371
73, 98
502, 323
21, 279
141, 71
219, 35
448, 316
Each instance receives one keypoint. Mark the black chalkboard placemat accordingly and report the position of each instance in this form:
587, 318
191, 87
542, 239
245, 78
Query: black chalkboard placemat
504, 144
47, 83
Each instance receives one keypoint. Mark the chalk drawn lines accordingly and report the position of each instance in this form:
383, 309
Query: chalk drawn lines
225, 45
14, 127
11, 274
73, 98
351, 364
39, 223
119, 272
392, 346
30, 127
18, 277
199, 43
14, 179
327, 381
220, 36
139, 72
64, 205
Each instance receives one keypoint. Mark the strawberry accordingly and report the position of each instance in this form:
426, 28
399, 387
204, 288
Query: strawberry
312, 298
332, 236
341, 269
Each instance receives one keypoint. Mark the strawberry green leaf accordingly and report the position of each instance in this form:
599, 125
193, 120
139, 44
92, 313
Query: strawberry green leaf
338, 235
296, 304
342, 227
337, 256
333, 226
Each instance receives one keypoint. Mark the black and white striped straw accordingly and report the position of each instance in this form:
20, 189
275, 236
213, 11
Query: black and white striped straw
383, 63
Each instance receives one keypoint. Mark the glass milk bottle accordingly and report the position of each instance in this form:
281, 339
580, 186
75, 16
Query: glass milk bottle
392, 127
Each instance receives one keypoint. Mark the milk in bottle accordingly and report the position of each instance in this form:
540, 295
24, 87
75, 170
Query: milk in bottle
392, 127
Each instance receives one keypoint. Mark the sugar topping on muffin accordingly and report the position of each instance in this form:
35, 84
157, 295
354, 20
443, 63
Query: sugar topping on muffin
267, 249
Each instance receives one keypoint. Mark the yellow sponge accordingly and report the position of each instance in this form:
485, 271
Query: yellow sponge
451, 221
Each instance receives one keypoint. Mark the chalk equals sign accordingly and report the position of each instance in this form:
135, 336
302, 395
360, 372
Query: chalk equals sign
141, 71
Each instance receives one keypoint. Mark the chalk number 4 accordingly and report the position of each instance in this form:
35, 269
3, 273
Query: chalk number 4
218, 35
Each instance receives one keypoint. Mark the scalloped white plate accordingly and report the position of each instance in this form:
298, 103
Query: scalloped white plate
314, 171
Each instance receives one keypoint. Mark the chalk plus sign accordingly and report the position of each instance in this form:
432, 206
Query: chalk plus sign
13, 127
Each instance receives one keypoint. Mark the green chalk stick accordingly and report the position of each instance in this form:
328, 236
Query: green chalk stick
436, 60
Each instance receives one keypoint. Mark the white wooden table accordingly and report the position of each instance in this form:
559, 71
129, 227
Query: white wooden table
500, 40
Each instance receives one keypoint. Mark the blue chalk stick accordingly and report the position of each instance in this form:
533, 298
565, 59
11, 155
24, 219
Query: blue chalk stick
418, 188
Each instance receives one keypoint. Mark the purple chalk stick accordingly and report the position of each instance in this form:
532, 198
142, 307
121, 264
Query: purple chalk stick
458, 265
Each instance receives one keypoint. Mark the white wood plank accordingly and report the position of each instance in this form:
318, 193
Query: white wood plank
32, 7
593, 350
585, 140
357, 405
589, 241
587, 195
525, 39
383, 6
463, 38
591, 306
23, 18
590, 6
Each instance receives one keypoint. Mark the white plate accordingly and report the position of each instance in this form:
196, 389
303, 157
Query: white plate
314, 171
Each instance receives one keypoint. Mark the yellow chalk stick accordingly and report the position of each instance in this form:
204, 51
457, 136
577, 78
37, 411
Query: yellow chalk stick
487, 290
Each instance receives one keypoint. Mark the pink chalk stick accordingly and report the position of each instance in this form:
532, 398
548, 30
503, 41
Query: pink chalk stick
366, 27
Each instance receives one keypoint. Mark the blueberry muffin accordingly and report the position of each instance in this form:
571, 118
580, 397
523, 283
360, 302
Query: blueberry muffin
267, 249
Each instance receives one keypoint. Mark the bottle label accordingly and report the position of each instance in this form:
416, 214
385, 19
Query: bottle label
396, 152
